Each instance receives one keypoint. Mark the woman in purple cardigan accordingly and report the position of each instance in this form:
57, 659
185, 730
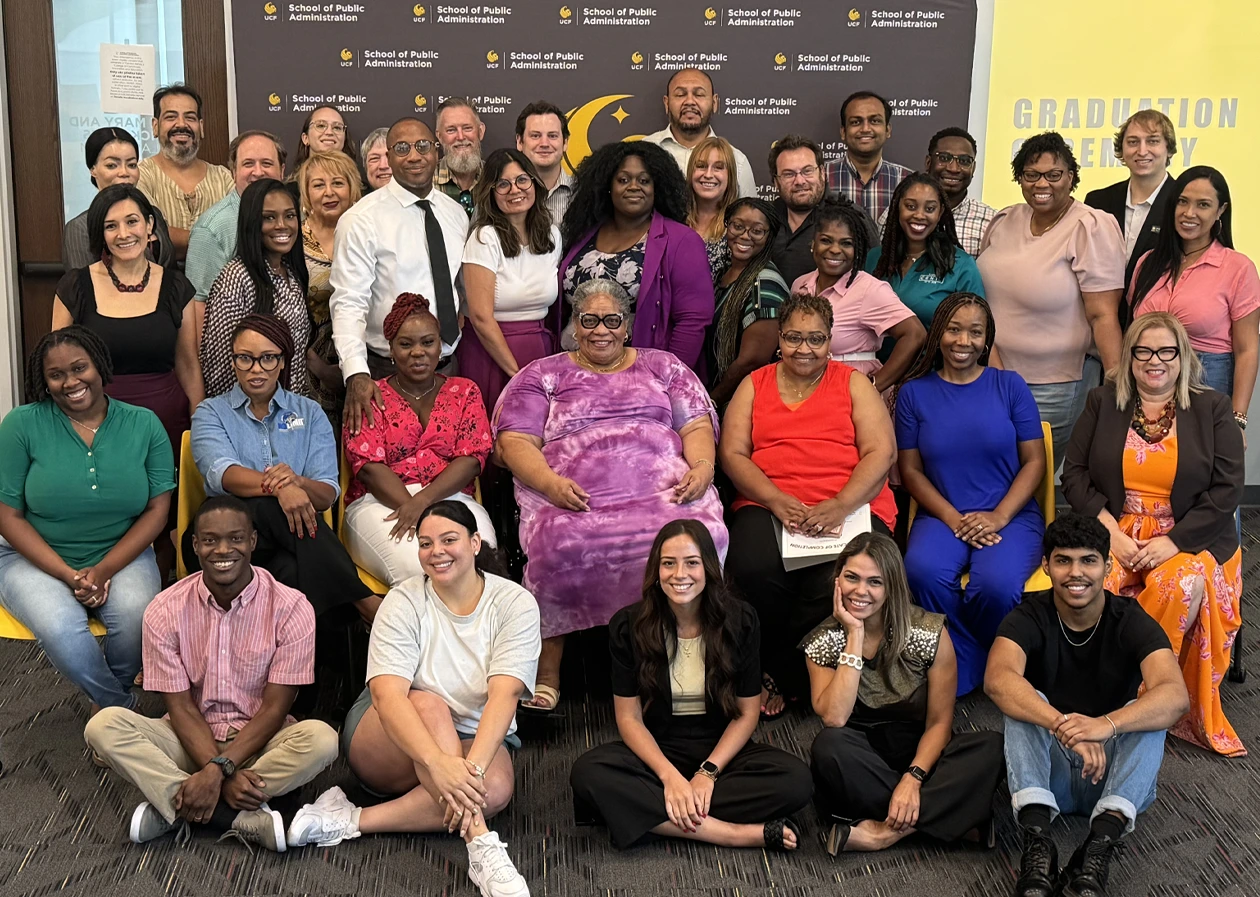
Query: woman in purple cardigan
626, 223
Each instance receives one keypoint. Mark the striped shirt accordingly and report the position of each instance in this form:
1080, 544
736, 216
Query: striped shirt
181, 209
875, 195
226, 658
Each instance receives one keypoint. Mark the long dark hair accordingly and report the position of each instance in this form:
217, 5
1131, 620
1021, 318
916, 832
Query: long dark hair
105, 200
655, 629
1168, 253
592, 200
486, 560
841, 210
537, 219
897, 599
727, 329
303, 151
942, 241
930, 359
249, 243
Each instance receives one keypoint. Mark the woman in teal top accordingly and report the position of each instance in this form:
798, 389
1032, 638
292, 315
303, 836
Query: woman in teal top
920, 256
85, 487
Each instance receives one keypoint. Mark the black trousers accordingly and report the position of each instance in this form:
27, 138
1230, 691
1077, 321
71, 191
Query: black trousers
611, 784
317, 567
855, 775
789, 603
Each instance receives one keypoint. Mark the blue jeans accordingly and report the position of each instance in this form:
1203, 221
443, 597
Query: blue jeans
46, 606
1061, 404
1218, 371
1041, 771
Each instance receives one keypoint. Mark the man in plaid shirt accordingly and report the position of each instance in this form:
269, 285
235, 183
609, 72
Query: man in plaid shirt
861, 173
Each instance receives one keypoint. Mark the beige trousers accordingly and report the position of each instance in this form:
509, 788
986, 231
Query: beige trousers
148, 753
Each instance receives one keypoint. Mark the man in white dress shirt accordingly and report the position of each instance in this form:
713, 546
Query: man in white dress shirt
385, 246
690, 103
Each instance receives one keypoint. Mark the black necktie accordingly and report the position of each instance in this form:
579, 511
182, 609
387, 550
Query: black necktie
443, 293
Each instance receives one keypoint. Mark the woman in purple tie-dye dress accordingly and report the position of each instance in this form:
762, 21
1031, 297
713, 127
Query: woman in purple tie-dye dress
607, 445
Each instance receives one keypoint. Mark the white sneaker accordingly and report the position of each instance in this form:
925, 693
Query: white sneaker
327, 822
492, 870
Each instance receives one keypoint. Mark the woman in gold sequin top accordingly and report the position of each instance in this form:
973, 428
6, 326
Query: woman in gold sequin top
882, 676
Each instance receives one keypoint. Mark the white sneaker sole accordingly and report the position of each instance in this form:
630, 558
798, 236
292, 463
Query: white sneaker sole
278, 828
133, 828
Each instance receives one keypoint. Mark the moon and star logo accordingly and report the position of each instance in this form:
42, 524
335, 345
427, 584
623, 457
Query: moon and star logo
582, 119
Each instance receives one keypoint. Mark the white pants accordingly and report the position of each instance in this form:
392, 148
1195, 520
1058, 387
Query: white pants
370, 545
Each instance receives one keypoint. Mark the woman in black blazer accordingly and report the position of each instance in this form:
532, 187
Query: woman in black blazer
1159, 459
686, 679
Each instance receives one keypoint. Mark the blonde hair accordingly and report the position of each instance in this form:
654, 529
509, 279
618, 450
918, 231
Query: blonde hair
335, 163
717, 228
1153, 120
1189, 379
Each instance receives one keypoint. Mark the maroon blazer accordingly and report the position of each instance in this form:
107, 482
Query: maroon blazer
1208, 484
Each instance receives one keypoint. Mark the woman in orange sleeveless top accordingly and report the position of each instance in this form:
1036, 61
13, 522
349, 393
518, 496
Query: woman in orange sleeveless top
806, 441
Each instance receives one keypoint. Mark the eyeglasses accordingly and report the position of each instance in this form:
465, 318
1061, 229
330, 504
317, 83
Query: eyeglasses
815, 340
590, 322
737, 228
403, 148
1145, 353
320, 127
963, 161
1031, 177
522, 181
268, 361
788, 177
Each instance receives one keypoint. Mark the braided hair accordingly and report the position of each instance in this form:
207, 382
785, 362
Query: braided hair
74, 335
406, 305
942, 241
277, 331
930, 359
727, 331
841, 210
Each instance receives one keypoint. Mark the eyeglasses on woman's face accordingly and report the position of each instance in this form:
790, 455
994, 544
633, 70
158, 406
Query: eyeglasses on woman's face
814, 340
1145, 353
522, 182
1053, 176
590, 322
319, 127
268, 361
737, 228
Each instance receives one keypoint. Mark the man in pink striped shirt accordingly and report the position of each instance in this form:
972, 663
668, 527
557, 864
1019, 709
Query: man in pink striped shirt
227, 648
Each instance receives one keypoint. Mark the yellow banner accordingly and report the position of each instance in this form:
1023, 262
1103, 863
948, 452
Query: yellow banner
1081, 68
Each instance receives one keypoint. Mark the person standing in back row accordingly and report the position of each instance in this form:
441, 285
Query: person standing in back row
861, 172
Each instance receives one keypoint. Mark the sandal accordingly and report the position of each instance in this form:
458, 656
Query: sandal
773, 831
547, 693
772, 691
837, 837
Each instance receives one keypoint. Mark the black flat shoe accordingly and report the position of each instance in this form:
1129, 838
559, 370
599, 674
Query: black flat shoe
837, 837
773, 831
982, 836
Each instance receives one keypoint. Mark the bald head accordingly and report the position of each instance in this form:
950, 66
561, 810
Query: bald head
414, 168
690, 103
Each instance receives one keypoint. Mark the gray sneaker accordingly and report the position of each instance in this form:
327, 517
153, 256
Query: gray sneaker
262, 826
147, 823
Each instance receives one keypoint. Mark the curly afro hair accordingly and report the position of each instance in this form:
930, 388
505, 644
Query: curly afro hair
592, 197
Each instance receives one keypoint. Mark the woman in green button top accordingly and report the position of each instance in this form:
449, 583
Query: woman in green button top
85, 487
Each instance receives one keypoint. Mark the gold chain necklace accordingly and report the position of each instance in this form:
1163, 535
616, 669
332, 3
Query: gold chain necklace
1052, 223
800, 393
604, 368
412, 395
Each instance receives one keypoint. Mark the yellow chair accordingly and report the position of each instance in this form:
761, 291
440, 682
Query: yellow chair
12, 629
192, 492
1045, 497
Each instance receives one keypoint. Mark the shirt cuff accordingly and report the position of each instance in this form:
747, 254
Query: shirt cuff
352, 366
214, 475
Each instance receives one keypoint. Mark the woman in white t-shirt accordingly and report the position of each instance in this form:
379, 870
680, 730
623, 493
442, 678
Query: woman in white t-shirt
510, 263
452, 652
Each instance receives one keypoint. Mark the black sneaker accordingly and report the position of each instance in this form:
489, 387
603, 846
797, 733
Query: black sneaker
1085, 875
1038, 866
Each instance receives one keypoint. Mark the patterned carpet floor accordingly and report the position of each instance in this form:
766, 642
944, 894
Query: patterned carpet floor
63, 831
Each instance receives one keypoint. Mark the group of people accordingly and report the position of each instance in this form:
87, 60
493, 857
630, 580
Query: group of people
666, 379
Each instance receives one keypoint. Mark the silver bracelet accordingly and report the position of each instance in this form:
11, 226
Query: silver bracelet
1115, 733
849, 660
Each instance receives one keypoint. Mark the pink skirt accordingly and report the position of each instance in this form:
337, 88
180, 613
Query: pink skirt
528, 340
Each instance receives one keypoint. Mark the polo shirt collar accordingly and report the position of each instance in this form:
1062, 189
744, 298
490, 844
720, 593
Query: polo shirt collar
243, 599
1215, 256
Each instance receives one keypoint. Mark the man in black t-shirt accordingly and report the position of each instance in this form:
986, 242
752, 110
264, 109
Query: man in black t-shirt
1065, 671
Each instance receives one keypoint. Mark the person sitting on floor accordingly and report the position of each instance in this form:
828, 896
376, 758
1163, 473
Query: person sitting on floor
686, 690
452, 652
275, 450
882, 677
1088, 685
227, 648
427, 443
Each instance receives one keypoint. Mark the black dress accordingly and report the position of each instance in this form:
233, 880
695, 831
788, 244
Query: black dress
858, 766
611, 784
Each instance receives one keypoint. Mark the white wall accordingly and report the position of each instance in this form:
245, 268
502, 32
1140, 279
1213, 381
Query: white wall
10, 332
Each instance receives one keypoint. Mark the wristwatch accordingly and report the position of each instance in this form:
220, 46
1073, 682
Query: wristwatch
918, 773
708, 769
226, 766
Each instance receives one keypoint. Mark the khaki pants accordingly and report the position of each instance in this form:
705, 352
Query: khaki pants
148, 753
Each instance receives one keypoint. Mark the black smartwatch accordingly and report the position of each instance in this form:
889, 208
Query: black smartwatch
708, 768
226, 766
918, 773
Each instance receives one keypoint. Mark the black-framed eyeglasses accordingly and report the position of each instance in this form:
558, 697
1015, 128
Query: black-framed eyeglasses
1053, 176
944, 158
737, 228
402, 148
590, 322
268, 361
522, 182
1145, 353
815, 340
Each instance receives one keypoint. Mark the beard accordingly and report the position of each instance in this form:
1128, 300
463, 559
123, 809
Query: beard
693, 130
464, 160
804, 202
180, 154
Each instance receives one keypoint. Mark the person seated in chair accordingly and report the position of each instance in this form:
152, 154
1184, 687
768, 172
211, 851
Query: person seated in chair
275, 450
227, 648
1066, 670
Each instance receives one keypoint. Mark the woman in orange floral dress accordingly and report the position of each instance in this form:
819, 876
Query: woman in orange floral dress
1158, 458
